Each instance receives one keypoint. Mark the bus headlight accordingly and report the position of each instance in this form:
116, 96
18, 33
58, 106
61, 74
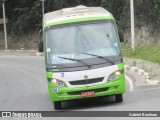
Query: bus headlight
55, 81
115, 75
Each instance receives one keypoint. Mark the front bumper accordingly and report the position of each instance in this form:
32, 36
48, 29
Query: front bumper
110, 88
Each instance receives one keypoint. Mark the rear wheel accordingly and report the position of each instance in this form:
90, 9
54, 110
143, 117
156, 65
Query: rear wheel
57, 105
119, 98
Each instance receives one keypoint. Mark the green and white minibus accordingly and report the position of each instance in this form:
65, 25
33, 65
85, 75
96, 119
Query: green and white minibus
82, 54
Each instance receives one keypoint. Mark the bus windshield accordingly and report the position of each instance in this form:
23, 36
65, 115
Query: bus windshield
73, 41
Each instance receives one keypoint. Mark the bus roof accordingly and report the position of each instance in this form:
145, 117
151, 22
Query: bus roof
75, 14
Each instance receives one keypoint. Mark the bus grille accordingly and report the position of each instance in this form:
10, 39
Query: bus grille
87, 81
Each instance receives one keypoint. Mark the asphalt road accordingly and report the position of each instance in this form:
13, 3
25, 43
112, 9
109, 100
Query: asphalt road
23, 87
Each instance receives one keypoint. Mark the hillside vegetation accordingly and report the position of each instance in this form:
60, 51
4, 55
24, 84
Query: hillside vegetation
147, 52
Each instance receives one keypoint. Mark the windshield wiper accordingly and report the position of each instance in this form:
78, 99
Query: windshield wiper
98, 56
80, 61
118, 59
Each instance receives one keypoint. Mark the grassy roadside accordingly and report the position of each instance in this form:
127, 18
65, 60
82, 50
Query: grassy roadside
147, 52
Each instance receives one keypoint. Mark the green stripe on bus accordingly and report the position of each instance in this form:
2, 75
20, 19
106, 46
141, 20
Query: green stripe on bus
121, 66
49, 74
78, 20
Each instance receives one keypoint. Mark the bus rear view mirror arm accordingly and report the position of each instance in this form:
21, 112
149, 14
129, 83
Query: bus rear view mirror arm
121, 35
40, 42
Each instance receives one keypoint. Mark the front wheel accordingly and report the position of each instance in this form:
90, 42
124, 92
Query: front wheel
57, 105
119, 98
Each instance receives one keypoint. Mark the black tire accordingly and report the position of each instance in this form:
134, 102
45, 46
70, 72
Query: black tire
57, 105
119, 98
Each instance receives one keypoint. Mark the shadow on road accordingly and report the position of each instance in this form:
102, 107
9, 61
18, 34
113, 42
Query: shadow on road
88, 103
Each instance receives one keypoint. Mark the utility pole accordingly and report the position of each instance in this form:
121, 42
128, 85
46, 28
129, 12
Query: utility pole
5, 29
42, 9
132, 25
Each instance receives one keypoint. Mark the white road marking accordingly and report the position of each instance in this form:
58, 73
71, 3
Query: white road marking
131, 86
130, 83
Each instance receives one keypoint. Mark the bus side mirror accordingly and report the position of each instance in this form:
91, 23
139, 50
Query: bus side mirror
121, 35
40, 42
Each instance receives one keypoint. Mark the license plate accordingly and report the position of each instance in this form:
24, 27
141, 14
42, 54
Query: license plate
87, 93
